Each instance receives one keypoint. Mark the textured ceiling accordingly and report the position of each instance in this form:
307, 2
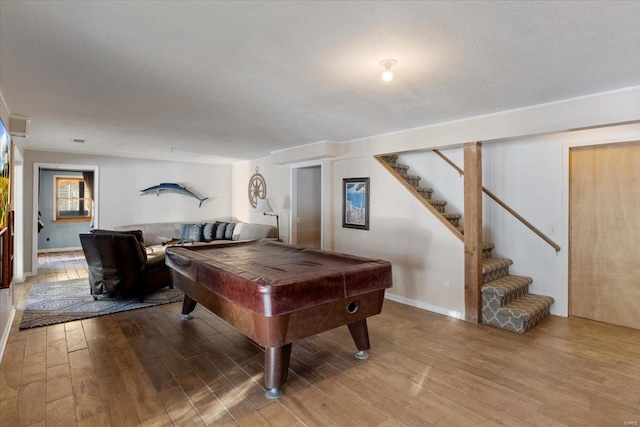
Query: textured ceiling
224, 81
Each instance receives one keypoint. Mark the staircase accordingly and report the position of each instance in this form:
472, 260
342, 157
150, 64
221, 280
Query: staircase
506, 301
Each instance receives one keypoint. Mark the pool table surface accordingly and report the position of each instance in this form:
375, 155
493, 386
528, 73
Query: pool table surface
276, 293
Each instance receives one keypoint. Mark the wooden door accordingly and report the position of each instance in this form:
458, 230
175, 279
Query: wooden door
604, 236
308, 202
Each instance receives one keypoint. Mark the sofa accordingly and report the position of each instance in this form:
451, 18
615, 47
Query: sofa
157, 235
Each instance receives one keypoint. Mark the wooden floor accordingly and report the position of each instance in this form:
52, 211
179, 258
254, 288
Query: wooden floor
146, 367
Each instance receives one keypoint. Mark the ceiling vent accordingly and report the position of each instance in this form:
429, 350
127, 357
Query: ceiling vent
19, 126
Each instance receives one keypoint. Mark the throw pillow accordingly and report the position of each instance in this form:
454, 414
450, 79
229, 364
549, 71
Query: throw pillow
237, 230
209, 232
220, 230
228, 231
190, 232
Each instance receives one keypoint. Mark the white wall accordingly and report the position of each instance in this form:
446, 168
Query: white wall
423, 252
119, 184
525, 156
278, 183
439, 175
601, 109
531, 175
526, 174
121, 180
427, 259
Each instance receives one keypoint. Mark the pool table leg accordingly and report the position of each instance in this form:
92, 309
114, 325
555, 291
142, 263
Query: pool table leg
188, 305
276, 367
360, 335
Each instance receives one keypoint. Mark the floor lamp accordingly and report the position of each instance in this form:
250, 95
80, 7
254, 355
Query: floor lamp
265, 208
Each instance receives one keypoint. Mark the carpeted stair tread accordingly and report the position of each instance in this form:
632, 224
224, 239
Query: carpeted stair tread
439, 205
527, 307
437, 202
424, 190
400, 168
506, 285
389, 158
488, 246
409, 177
492, 264
451, 216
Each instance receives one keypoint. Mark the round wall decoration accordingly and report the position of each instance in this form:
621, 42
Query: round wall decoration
257, 188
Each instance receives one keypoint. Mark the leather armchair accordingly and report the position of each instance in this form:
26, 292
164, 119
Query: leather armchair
118, 265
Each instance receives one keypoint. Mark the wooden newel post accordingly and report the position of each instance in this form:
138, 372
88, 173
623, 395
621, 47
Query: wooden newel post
473, 231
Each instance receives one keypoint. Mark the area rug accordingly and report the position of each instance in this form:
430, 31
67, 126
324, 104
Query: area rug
59, 302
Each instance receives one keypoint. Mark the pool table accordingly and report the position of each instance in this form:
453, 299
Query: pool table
276, 293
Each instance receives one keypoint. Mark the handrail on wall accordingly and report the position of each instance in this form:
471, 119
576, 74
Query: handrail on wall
531, 227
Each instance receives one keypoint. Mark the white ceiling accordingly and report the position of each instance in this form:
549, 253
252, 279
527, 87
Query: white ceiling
223, 81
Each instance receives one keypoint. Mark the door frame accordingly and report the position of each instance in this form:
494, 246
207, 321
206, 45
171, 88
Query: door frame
293, 226
592, 137
36, 194
18, 208
636, 143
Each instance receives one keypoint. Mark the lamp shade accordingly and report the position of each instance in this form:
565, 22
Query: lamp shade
263, 206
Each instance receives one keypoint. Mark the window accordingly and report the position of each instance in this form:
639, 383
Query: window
73, 201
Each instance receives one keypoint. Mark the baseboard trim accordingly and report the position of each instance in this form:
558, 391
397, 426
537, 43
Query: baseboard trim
5, 333
424, 306
73, 248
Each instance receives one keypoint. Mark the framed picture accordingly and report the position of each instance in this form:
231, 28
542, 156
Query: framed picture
355, 203
5, 175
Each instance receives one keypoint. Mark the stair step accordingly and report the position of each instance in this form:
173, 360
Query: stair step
526, 307
507, 285
495, 268
400, 168
487, 247
391, 159
452, 215
500, 292
453, 218
425, 192
522, 314
410, 177
438, 204
412, 180
492, 264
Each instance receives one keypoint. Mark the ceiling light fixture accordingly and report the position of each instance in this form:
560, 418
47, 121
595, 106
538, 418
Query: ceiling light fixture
387, 75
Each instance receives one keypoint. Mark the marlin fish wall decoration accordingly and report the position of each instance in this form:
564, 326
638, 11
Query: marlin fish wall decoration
170, 187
